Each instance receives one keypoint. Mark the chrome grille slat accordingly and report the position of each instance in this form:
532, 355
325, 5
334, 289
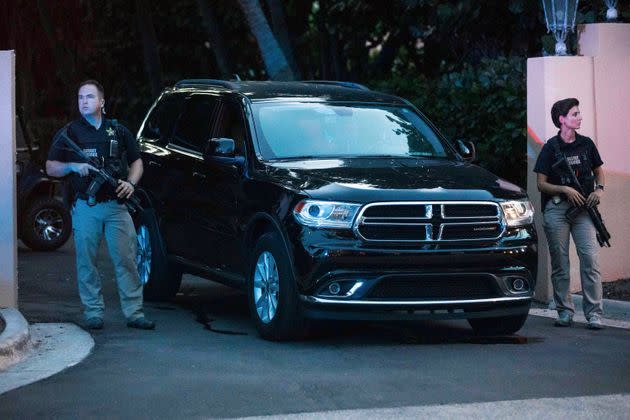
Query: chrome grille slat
443, 221
393, 223
489, 211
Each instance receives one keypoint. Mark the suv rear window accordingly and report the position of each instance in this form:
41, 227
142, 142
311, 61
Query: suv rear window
159, 125
298, 130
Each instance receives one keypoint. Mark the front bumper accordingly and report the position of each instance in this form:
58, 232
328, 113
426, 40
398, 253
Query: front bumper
340, 277
448, 294
318, 308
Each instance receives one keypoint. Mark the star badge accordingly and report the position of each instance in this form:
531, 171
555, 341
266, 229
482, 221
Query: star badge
110, 131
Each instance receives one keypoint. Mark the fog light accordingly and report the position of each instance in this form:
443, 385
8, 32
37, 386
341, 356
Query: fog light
334, 288
518, 284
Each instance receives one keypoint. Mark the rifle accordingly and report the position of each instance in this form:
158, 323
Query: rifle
101, 175
603, 237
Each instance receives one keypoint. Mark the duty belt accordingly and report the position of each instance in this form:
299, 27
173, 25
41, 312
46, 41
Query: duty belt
83, 196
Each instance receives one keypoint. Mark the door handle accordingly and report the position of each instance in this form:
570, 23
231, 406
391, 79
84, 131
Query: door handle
199, 175
154, 163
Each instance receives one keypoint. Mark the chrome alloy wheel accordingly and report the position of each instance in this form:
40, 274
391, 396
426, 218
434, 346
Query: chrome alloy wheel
266, 287
143, 255
48, 224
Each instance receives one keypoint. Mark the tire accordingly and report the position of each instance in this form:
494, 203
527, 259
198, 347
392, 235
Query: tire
498, 326
160, 279
46, 225
270, 279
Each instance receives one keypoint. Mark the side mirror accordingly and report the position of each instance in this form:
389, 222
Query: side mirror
222, 152
150, 134
219, 147
467, 150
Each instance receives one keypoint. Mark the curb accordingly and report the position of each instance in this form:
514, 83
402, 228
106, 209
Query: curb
616, 309
54, 347
613, 308
616, 312
15, 339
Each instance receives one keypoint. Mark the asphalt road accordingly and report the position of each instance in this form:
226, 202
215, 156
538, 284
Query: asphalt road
205, 359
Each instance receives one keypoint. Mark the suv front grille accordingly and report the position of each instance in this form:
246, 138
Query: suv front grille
430, 222
443, 287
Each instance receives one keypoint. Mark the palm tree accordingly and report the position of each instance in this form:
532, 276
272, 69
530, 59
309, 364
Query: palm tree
275, 62
281, 31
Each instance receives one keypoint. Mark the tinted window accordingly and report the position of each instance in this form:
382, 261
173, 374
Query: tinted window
193, 127
232, 125
159, 125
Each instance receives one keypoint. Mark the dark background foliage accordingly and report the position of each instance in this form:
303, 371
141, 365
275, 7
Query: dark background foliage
462, 61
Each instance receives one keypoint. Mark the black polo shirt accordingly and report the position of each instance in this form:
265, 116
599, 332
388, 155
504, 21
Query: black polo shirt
582, 155
96, 144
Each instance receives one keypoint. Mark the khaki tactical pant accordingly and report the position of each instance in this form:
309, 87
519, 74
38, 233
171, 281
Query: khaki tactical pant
558, 229
89, 224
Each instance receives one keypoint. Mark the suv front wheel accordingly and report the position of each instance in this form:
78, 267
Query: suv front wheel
271, 291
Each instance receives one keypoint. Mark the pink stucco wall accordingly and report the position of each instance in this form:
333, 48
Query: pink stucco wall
601, 81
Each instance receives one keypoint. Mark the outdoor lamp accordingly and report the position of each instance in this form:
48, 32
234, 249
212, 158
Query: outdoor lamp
611, 13
560, 18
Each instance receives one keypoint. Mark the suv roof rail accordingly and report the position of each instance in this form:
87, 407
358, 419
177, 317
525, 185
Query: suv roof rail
352, 85
206, 82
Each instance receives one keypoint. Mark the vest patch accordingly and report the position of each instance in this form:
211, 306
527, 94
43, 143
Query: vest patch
91, 153
574, 160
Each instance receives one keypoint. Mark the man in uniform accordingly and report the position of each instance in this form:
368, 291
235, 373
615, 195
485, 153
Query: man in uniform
557, 198
110, 143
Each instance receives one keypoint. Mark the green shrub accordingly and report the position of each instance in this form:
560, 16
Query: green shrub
485, 104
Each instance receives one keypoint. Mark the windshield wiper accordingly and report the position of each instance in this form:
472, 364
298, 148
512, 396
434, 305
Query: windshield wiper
302, 158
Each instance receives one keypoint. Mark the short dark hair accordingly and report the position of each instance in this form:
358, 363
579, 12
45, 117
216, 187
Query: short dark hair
99, 87
562, 108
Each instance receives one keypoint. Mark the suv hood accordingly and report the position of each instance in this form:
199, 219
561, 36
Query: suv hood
364, 180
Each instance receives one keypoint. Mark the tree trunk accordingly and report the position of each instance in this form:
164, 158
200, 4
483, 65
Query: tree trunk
216, 38
150, 47
281, 30
275, 62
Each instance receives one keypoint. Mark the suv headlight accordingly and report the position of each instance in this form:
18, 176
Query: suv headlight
326, 214
518, 212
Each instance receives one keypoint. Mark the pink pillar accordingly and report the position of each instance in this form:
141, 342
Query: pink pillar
8, 213
601, 82
609, 45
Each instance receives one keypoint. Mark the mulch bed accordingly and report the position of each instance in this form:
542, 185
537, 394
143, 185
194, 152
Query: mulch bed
617, 290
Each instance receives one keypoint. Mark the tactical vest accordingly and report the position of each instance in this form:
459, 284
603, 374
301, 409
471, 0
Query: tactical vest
583, 171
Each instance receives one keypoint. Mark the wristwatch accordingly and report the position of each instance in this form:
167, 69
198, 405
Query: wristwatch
134, 185
597, 187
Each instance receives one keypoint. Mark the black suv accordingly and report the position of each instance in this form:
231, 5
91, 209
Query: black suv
328, 200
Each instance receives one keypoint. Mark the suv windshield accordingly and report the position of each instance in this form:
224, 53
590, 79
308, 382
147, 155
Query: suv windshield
297, 130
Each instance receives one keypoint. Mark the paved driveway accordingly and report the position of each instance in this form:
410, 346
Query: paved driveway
205, 360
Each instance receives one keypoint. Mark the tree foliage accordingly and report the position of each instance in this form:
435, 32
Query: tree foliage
483, 103
461, 61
